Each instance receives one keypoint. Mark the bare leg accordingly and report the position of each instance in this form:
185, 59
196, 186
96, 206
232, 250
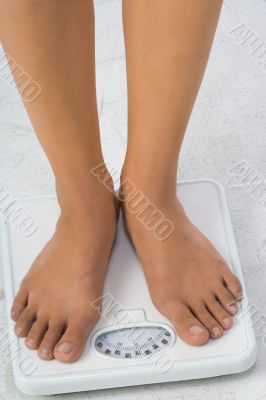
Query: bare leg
54, 42
167, 47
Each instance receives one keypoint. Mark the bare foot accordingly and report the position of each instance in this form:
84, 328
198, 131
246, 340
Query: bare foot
188, 279
53, 308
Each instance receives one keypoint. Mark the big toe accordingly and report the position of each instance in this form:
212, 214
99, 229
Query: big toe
188, 327
71, 345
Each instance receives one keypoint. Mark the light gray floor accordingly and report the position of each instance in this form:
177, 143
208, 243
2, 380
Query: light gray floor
228, 126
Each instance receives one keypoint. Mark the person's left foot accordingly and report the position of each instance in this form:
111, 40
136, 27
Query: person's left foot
189, 281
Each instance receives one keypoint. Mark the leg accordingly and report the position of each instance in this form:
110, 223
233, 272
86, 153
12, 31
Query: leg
167, 47
54, 42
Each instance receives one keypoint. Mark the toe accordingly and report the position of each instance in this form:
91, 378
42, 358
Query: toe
35, 335
51, 337
19, 303
187, 326
226, 299
24, 322
72, 343
219, 313
233, 285
204, 316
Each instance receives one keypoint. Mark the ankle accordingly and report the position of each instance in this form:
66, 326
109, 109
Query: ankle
158, 188
84, 192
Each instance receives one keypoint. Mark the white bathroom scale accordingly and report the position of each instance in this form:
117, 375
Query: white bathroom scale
132, 344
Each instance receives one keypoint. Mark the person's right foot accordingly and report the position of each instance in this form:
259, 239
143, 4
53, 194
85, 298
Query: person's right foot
53, 308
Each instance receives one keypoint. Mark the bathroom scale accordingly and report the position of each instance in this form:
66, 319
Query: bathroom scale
132, 343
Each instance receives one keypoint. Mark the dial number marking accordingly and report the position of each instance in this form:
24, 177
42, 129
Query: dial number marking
136, 342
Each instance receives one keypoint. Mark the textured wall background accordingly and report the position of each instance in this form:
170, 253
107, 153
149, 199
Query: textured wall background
228, 126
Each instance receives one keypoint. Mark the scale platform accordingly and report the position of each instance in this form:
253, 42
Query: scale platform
132, 344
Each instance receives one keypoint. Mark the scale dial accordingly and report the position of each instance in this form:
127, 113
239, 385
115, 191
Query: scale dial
134, 342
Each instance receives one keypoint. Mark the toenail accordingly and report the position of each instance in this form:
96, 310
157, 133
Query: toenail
13, 314
233, 309
45, 353
30, 342
227, 322
19, 330
216, 331
65, 348
196, 329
